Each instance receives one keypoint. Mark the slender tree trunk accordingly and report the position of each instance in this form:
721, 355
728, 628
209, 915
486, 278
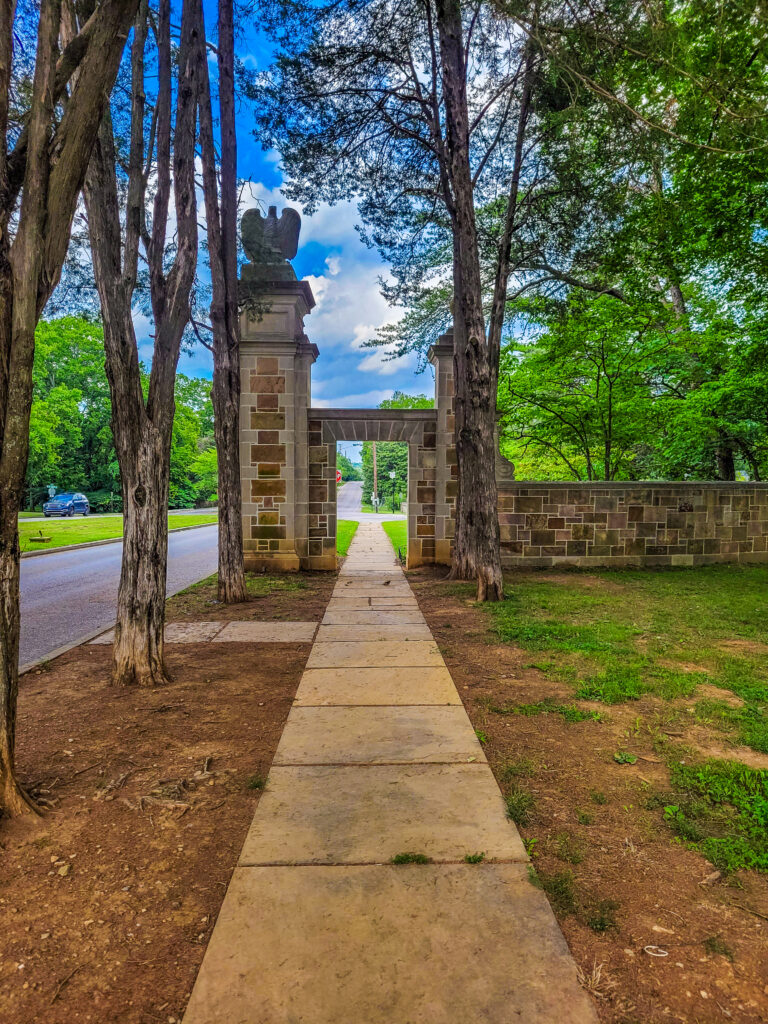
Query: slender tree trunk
138, 647
142, 429
46, 167
221, 220
476, 553
724, 457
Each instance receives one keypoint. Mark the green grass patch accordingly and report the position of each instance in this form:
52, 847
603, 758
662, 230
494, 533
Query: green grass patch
747, 725
397, 531
520, 804
83, 529
411, 858
548, 706
345, 531
258, 584
720, 809
474, 858
616, 636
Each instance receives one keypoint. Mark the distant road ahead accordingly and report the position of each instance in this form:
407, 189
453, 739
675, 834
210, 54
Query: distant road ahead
348, 498
67, 595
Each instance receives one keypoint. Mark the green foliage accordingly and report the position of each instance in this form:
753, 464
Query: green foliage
720, 808
411, 858
70, 436
474, 858
349, 471
391, 457
624, 757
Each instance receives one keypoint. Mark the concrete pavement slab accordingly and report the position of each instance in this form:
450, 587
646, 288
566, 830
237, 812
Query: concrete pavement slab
416, 944
367, 616
268, 632
177, 633
369, 815
374, 653
378, 735
385, 686
406, 631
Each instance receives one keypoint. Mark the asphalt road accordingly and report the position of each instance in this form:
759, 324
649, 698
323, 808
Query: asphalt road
349, 503
348, 498
69, 595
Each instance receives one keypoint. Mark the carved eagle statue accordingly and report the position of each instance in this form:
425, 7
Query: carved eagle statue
269, 239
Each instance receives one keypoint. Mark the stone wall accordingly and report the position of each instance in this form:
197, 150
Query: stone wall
321, 520
646, 523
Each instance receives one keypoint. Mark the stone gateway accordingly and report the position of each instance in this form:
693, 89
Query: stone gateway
288, 460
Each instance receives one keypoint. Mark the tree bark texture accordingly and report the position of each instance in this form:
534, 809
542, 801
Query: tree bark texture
476, 553
221, 222
142, 429
40, 180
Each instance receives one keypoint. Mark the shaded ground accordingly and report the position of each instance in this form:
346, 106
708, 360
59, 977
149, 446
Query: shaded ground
108, 900
616, 801
301, 597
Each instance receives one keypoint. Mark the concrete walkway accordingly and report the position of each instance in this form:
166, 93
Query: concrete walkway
378, 758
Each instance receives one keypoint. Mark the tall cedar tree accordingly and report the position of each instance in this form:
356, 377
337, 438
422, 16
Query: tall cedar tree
142, 428
221, 224
41, 176
371, 99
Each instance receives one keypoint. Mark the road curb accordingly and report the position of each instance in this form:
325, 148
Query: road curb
102, 543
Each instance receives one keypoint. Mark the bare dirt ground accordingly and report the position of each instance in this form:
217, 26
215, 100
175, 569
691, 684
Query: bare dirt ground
107, 901
622, 887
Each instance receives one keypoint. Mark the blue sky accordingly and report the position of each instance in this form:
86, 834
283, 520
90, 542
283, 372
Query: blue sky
342, 272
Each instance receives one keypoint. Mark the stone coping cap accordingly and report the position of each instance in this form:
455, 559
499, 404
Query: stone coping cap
581, 485
425, 415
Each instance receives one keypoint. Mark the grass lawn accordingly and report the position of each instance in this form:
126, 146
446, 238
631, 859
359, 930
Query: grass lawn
397, 531
82, 529
625, 717
697, 641
345, 531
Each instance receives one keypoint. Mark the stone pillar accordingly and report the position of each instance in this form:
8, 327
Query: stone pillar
322, 500
275, 362
446, 468
422, 496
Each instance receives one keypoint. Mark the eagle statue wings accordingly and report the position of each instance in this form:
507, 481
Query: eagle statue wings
270, 239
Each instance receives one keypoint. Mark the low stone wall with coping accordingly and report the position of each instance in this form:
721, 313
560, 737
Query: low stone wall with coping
645, 523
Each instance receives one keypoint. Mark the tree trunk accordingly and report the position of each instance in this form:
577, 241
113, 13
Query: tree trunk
221, 222
138, 647
47, 167
13, 800
476, 553
726, 465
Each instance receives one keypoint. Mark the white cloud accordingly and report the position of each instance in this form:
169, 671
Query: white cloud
380, 360
367, 400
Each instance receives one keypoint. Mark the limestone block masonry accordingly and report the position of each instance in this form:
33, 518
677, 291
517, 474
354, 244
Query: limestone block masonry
275, 361
647, 523
288, 467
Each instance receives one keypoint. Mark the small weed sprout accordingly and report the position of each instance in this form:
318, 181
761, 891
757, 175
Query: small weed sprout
519, 804
256, 782
411, 858
474, 858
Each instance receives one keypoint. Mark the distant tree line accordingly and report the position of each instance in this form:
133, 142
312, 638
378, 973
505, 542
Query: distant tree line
391, 457
70, 436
